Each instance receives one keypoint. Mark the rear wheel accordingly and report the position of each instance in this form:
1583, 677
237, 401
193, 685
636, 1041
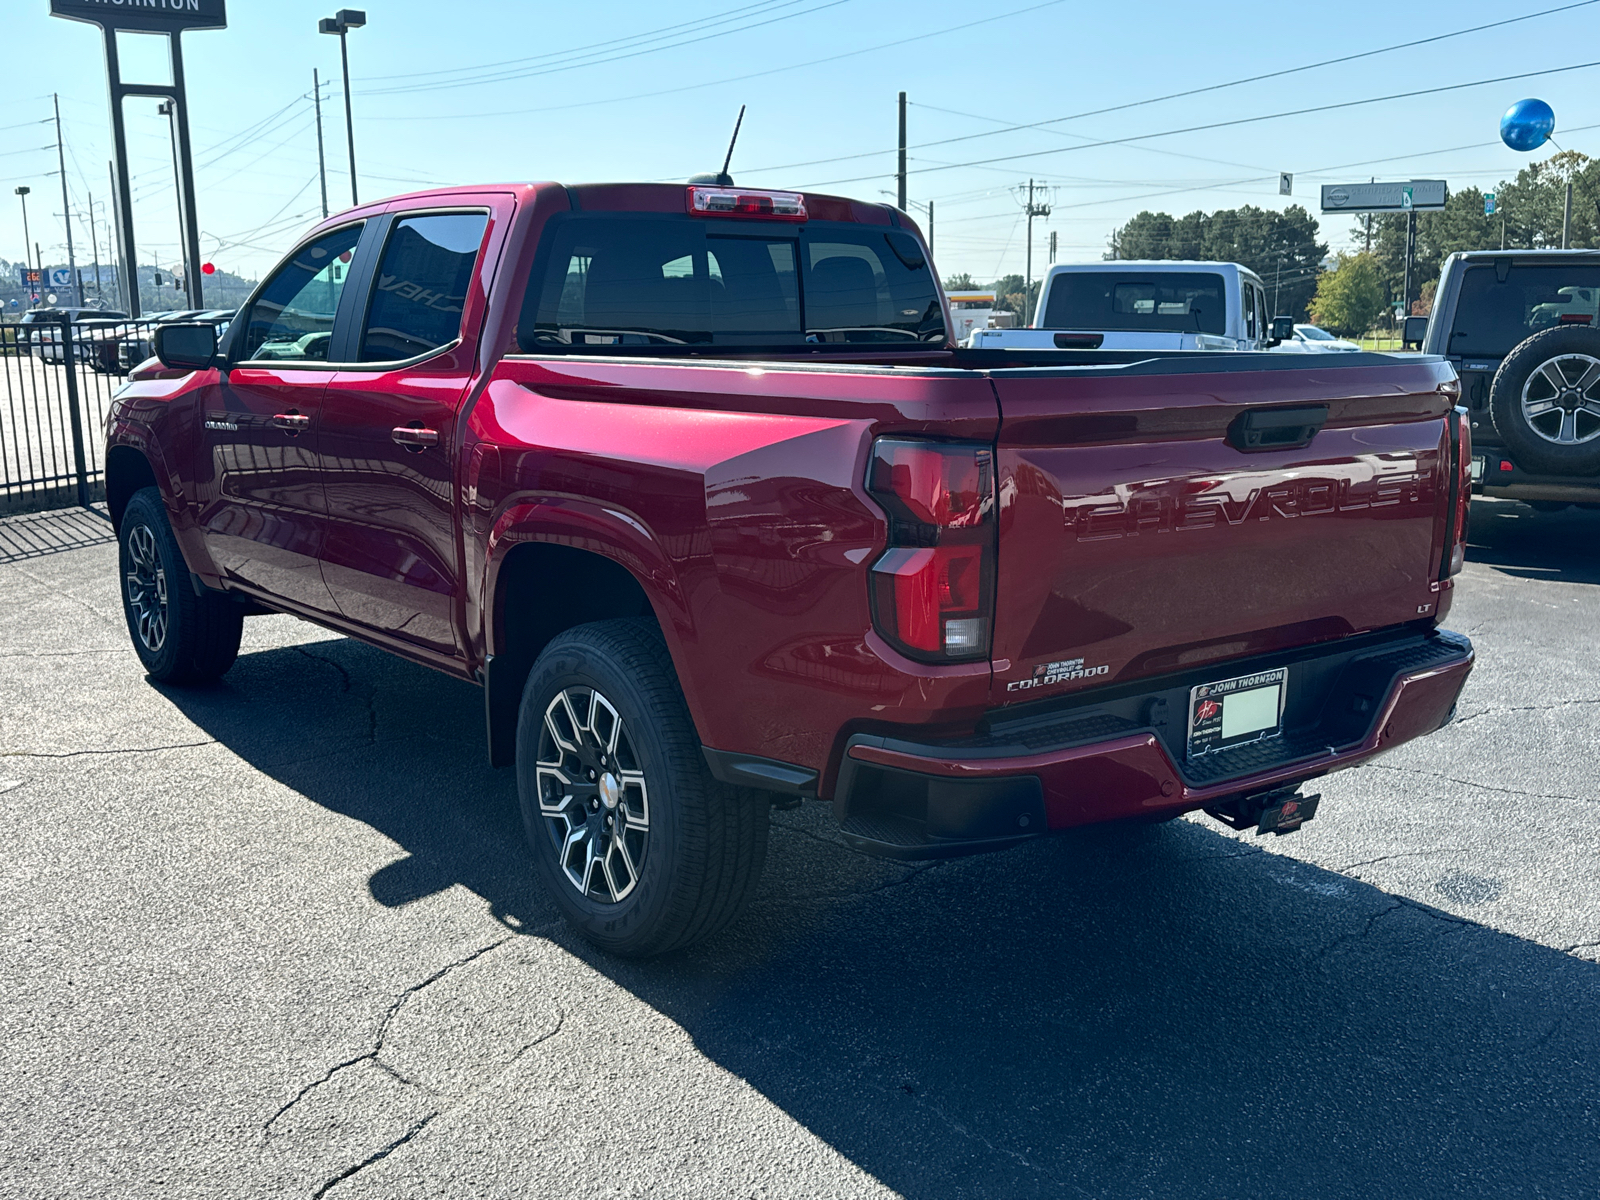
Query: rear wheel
179, 636
638, 845
1545, 401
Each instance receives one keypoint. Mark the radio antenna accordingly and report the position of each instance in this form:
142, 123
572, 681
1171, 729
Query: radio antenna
724, 178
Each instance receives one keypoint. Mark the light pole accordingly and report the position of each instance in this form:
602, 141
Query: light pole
27, 238
341, 23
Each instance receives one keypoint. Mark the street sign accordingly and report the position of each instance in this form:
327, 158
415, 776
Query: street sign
1488, 204
156, 16
1285, 183
1419, 194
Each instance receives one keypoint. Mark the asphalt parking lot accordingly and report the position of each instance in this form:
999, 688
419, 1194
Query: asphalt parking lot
279, 938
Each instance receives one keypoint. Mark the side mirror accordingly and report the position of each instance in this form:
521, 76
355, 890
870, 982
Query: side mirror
186, 347
1416, 329
1282, 328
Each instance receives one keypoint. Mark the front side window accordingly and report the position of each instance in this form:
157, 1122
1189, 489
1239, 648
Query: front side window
292, 318
632, 280
1122, 302
422, 285
1249, 310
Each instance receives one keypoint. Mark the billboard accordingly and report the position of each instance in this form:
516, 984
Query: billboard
1418, 195
159, 16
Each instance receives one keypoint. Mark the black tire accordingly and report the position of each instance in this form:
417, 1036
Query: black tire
1526, 378
703, 843
179, 637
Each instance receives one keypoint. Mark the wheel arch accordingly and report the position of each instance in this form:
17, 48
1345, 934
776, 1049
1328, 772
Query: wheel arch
127, 470
602, 574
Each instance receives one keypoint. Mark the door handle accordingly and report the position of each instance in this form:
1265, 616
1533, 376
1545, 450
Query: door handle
414, 437
292, 421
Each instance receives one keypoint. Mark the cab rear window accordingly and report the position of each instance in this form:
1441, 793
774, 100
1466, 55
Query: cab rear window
1121, 301
625, 282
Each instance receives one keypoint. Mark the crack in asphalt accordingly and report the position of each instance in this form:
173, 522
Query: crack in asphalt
56, 590
383, 1031
375, 1156
62, 653
1346, 938
1367, 862
127, 750
1481, 786
929, 1106
371, 697
1491, 712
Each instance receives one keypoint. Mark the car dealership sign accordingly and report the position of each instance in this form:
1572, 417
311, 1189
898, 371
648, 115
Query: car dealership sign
161, 16
1419, 194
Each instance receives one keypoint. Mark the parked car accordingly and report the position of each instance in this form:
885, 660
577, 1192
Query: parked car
1519, 325
41, 330
1309, 339
134, 347
1134, 305
695, 484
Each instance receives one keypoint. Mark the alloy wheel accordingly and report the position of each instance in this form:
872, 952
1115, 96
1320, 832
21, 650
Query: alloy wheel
147, 588
593, 797
1560, 402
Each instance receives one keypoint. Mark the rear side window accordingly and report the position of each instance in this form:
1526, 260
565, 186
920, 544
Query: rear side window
1498, 310
1123, 302
422, 285
609, 282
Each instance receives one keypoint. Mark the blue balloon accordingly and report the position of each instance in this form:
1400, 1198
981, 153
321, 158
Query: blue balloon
1527, 124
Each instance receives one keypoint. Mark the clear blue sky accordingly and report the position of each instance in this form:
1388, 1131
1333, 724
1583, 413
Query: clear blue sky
596, 92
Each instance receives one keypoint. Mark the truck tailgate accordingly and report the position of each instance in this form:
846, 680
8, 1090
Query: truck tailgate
1136, 537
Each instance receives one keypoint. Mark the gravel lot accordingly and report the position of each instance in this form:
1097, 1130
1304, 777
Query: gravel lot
279, 938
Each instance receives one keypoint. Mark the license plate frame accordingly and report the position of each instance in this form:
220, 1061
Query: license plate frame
1477, 467
1209, 717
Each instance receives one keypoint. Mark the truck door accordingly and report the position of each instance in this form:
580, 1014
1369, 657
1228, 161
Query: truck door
388, 441
260, 503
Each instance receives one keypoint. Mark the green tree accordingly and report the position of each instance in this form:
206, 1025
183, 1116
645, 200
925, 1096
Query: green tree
1012, 294
1350, 298
1281, 247
960, 283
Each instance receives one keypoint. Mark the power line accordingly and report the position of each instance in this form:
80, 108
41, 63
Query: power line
743, 12
1298, 112
1214, 87
557, 68
963, 27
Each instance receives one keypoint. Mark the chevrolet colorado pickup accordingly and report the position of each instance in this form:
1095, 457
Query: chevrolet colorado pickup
694, 483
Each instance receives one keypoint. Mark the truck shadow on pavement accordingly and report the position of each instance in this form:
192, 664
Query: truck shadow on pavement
1153, 1011
1517, 540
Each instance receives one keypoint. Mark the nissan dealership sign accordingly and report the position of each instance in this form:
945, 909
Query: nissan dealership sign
1419, 194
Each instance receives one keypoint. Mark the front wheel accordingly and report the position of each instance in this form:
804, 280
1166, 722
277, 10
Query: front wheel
179, 636
638, 845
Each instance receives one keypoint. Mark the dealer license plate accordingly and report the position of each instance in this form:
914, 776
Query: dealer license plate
1234, 711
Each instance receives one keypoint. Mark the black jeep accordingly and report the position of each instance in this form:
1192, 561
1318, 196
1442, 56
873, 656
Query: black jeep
1523, 330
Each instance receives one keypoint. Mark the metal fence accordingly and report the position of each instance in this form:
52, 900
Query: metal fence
56, 383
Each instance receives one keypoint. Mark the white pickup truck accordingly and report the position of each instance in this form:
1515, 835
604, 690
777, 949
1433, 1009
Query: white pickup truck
1136, 305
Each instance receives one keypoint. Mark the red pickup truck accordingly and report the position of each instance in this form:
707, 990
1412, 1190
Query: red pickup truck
695, 484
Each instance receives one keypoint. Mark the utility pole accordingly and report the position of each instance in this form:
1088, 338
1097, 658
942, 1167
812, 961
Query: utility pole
1411, 254
167, 109
1052, 247
322, 163
1566, 215
1502, 233
1034, 210
94, 244
930, 226
66, 207
901, 176
1277, 282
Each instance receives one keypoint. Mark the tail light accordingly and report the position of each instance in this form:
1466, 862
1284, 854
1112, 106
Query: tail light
1458, 518
933, 588
742, 202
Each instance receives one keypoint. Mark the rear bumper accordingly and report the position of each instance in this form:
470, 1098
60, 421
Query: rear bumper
905, 800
